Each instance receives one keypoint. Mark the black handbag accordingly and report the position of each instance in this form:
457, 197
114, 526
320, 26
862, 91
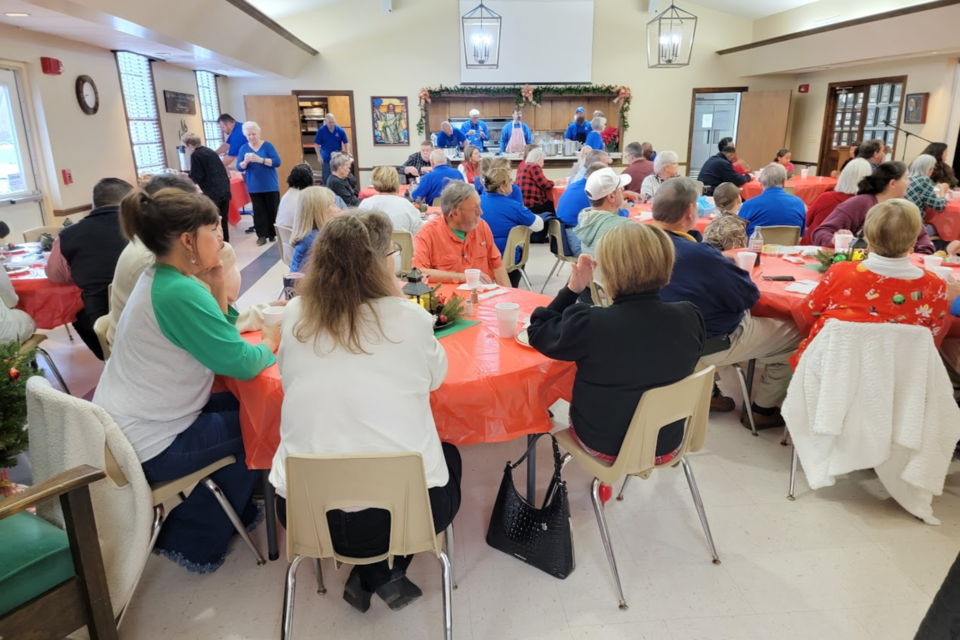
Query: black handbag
542, 537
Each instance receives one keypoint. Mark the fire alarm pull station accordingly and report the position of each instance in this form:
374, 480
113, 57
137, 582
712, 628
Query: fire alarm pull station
67, 176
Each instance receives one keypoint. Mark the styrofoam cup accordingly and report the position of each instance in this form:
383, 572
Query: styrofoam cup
930, 263
747, 260
507, 314
805, 173
943, 273
273, 316
473, 278
842, 241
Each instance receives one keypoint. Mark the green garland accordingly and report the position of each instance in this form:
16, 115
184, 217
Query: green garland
516, 92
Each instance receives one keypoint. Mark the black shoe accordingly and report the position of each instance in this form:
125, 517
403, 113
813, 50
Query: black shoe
354, 593
272, 238
762, 420
398, 593
251, 230
261, 242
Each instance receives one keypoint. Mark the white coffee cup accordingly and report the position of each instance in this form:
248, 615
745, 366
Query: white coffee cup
805, 173
930, 263
943, 273
473, 278
747, 260
842, 241
507, 314
273, 316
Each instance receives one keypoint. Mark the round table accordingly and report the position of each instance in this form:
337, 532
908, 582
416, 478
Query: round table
644, 213
48, 303
807, 189
947, 221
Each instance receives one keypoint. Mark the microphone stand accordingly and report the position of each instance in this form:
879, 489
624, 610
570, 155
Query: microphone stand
907, 140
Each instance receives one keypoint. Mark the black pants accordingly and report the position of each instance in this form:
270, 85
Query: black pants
84, 327
546, 211
366, 533
265, 206
942, 621
224, 207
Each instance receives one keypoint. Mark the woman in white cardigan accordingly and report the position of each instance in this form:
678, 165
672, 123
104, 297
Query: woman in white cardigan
351, 336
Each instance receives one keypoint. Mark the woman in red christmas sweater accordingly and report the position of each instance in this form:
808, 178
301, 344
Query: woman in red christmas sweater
885, 287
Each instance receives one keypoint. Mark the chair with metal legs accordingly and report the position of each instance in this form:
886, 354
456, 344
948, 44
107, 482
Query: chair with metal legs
555, 235
395, 482
687, 400
794, 459
518, 239
746, 386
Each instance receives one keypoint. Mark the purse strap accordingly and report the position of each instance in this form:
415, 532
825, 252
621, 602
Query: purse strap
556, 481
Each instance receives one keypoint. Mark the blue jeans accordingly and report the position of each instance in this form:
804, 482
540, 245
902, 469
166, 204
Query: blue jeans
573, 241
325, 171
197, 532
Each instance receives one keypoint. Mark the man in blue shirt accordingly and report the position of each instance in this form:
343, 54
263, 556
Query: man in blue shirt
449, 138
579, 128
476, 130
233, 138
719, 169
518, 132
724, 293
432, 184
774, 207
572, 202
330, 138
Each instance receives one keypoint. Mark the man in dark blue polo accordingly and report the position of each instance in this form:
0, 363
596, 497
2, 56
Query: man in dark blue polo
330, 139
579, 128
450, 138
233, 138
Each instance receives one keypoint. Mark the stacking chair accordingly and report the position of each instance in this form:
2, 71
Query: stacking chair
286, 250
405, 240
33, 235
33, 342
689, 400
396, 482
519, 238
783, 235
100, 328
555, 234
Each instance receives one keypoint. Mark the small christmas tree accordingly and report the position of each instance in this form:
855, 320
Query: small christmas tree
16, 369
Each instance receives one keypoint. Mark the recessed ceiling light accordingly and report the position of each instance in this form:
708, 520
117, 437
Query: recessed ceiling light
16, 14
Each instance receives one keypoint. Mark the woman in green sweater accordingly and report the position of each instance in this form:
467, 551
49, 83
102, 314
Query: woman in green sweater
173, 337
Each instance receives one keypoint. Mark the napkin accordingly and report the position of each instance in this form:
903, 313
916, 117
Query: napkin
481, 288
801, 286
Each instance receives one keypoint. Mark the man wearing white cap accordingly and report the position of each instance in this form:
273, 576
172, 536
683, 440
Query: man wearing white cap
604, 189
579, 128
476, 130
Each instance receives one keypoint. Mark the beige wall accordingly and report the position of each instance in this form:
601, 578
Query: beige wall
806, 17
167, 77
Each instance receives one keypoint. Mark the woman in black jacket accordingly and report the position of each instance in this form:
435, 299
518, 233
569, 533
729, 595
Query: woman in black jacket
208, 173
637, 343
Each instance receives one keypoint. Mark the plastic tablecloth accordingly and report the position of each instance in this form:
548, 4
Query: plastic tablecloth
369, 192
643, 213
238, 198
48, 303
807, 189
495, 389
947, 221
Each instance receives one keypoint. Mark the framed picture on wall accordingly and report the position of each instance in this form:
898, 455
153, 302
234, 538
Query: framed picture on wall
916, 110
391, 122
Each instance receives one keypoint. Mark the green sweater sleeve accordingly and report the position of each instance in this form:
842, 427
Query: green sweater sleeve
191, 319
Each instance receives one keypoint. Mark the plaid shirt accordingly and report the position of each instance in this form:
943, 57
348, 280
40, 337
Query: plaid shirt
416, 160
920, 192
533, 185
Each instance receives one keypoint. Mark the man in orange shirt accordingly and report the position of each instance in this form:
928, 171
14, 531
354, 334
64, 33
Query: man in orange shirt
448, 245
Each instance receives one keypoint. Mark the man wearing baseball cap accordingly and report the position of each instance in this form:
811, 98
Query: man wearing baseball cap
476, 130
579, 128
604, 190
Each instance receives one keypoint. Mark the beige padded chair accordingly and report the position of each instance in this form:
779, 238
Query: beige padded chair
598, 295
555, 234
33, 342
100, 328
792, 191
699, 186
782, 235
519, 238
395, 482
688, 399
286, 249
405, 240
33, 235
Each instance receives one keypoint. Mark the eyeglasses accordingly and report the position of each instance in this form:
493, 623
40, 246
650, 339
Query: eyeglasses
396, 249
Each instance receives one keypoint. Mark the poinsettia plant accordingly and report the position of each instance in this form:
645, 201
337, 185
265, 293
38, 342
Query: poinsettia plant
611, 138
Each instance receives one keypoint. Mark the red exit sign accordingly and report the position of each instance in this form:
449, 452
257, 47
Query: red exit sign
804, 88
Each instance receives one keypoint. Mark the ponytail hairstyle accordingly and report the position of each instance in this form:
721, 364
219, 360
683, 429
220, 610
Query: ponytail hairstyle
877, 181
780, 154
158, 220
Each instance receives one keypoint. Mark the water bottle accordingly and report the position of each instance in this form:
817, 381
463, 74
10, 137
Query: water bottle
756, 244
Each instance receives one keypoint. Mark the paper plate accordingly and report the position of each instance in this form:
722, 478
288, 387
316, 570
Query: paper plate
523, 338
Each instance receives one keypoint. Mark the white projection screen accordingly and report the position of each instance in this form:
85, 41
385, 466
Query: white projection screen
541, 42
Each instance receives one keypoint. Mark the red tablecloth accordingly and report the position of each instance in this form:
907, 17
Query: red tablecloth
947, 221
808, 189
49, 304
369, 192
238, 198
495, 389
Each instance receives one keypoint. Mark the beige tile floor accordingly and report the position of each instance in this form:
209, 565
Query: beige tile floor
844, 563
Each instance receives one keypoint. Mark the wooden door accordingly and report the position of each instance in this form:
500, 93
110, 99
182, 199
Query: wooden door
763, 126
545, 116
279, 122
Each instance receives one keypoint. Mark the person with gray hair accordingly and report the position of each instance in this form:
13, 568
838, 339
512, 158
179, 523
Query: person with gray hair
208, 172
449, 244
331, 138
921, 190
258, 162
588, 157
719, 169
594, 139
440, 175
774, 207
536, 189
339, 181
450, 138
725, 293
666, 166
639, 165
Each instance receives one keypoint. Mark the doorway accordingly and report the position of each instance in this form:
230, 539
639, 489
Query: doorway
312, 107
715, 115
20, 197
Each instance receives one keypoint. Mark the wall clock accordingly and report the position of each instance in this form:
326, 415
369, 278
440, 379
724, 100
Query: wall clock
87, 95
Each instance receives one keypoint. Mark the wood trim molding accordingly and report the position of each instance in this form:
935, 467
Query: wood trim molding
62, 213
886, 15
274, 26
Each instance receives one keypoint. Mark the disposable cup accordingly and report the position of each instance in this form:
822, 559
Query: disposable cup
930, 263
842, 241
805, 173
273, 316
507, 313
944, 273
473, 278
747, 260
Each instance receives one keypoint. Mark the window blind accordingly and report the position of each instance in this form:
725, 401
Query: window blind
140, 103
209, 108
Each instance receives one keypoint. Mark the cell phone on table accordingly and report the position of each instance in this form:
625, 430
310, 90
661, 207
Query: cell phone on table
779, 278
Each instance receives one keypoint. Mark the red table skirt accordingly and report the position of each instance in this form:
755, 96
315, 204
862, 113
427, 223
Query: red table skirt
808, 189
947, 221
48, 303
238, 198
